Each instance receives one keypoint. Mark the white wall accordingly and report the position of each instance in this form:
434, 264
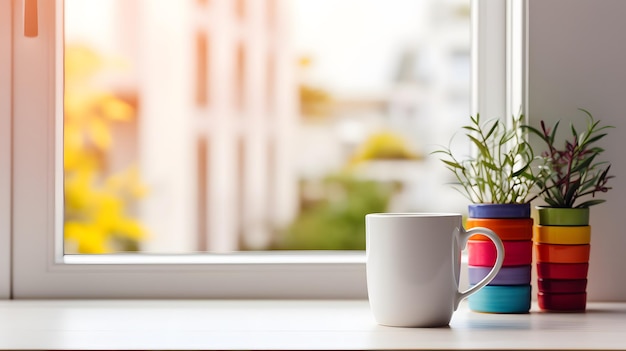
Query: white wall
577, 58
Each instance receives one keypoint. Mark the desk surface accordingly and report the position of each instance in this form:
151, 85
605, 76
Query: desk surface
277, 325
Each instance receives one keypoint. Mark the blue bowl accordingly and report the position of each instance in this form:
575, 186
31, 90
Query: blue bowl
501, 299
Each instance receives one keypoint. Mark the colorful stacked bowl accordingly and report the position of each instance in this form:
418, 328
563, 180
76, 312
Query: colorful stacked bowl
510, 291
562, 247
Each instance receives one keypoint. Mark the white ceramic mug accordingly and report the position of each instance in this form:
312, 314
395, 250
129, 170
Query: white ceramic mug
413, 267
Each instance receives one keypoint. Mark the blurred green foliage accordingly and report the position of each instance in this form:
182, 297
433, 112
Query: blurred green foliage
333, 213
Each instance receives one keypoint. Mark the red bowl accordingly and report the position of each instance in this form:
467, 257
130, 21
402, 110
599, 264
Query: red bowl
562, 302
516, 253
547, 270
562, 286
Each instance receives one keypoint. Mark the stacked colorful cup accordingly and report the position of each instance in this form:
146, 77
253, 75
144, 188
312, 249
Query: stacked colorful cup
562, 247
510, 291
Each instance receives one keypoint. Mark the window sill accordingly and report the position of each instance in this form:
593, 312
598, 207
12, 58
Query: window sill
235, 259
288, 324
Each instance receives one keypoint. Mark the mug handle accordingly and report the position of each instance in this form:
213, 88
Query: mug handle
464, 236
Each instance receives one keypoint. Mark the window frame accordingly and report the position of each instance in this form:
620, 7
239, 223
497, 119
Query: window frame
39, 270
5, 148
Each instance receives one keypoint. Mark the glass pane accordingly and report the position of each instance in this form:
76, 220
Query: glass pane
222, 126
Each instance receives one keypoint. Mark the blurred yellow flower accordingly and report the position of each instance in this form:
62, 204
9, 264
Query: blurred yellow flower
97, 218
384, 145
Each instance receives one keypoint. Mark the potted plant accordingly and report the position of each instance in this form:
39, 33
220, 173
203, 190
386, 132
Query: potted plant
497, 181
569, 179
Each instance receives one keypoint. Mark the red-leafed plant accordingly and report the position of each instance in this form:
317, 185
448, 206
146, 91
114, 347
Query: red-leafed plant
572, 173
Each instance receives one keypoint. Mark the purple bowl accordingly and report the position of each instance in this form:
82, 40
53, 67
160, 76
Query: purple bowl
512, 275
499, 210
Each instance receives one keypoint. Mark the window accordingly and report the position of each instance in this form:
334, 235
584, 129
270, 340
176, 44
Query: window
41, 269
353, 124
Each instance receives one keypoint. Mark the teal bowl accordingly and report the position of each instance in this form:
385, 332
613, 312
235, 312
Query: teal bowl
501, 299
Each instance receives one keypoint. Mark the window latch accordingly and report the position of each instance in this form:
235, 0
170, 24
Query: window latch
31, 19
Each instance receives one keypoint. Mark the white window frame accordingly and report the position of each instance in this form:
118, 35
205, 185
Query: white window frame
5, 149
31, 194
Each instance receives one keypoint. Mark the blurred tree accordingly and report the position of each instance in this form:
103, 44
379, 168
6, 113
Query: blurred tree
335, 218
96, 203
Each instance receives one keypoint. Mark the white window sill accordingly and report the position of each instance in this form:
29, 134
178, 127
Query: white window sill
284, 324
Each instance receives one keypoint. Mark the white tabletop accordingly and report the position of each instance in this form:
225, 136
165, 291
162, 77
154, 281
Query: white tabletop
229, 324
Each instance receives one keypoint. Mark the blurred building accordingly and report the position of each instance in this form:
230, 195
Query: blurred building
218, 117
217, 100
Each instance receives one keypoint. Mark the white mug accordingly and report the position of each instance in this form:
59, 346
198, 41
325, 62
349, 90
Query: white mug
413, 267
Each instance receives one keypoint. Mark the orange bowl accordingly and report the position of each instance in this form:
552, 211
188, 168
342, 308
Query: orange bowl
517, 229
562, 253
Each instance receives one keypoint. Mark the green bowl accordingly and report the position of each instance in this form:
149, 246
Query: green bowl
563, 216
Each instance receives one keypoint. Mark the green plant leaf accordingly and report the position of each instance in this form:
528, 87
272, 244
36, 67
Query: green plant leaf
471, 128
481, 147
522, 172
501, 171
551, 202
453, 164
491, 131
553, 134
590, 203
595, 138
491, 166
586, 163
